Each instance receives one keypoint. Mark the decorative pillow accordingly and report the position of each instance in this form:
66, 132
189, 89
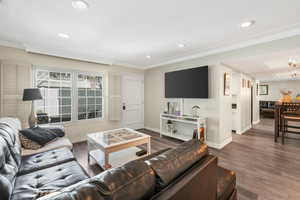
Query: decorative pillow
28, 144
59, 132
39, 135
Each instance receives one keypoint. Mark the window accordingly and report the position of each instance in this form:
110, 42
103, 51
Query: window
89, 89
68, 96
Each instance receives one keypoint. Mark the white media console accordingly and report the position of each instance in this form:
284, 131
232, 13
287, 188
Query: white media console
182, 127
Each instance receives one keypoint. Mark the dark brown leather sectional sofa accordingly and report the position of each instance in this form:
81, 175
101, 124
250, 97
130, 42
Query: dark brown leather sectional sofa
187, 172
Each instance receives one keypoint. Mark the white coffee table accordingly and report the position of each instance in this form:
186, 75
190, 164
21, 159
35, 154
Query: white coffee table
116, 147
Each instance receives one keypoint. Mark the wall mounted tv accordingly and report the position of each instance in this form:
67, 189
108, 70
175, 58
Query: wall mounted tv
188, 83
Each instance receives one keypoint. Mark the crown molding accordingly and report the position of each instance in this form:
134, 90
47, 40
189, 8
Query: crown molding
251, 42
63, 54
12, 44
279, 79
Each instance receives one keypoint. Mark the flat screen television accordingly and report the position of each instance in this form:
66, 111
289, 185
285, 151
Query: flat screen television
188, 83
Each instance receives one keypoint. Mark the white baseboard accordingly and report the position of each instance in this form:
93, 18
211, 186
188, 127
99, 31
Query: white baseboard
153, 129
256, 122
210, 144
219, 145
245, 130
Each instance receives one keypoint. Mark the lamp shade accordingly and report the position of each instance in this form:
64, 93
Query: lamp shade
31, 94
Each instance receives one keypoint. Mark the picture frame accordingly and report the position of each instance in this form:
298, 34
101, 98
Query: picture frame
263, 89
226, 84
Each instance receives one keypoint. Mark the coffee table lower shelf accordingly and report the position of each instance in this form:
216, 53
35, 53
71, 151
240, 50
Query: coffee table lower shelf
116, 159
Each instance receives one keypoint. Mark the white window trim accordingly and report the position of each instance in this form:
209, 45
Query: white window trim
74, 97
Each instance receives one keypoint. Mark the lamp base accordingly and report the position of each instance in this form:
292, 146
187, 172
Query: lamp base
32, 117
32, 120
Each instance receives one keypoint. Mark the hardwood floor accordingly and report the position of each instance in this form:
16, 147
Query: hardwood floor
265, 170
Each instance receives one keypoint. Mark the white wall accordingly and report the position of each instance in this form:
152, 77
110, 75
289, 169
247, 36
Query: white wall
245, 102
241, 121
256, 114
276, 86
76, 131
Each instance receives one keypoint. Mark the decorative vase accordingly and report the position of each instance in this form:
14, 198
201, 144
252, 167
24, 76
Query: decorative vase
298, 98
286, 96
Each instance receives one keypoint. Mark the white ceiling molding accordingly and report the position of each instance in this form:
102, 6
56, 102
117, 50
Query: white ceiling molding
279, 79
278, 36
56, 53
11, 44
63, 54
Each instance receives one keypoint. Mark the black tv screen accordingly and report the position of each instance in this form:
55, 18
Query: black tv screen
188, 83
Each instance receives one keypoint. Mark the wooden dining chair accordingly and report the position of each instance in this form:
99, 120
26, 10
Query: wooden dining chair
290, 113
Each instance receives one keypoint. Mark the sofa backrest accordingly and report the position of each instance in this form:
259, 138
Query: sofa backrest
181, 173
10, 155
14, 123
174, 162
11, 136
8, 170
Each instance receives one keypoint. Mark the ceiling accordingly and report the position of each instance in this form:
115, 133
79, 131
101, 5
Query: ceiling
271, 66
126, 32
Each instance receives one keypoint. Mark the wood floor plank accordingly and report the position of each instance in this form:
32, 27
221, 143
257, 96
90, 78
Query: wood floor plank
265, 170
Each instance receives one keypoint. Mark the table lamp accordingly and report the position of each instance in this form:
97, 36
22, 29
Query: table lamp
32, 94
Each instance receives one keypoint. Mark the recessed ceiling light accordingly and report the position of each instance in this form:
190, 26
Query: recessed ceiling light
247, 24
181, 45
148, 56
63, 35
80, 4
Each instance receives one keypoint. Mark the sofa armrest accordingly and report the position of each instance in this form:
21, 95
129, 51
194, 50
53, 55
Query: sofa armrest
200, 181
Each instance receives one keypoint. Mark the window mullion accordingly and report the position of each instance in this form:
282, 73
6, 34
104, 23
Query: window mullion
75, 96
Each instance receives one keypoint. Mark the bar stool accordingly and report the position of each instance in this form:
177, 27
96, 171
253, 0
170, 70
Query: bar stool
291, 113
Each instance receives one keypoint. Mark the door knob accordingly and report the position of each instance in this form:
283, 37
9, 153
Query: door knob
124, 107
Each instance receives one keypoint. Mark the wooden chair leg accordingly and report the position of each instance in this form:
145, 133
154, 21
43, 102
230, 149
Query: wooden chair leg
284, 131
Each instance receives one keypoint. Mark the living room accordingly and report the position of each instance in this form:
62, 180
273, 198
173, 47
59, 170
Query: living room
104, 100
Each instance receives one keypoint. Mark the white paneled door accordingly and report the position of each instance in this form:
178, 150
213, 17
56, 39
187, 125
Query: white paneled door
133, 101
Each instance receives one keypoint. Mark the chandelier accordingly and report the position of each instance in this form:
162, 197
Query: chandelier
293, 63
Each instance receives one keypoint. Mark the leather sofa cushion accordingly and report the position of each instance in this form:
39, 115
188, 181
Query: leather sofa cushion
172, 163
132, 181
30, 186
82, 190
226, 184
45, 160
8, 170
